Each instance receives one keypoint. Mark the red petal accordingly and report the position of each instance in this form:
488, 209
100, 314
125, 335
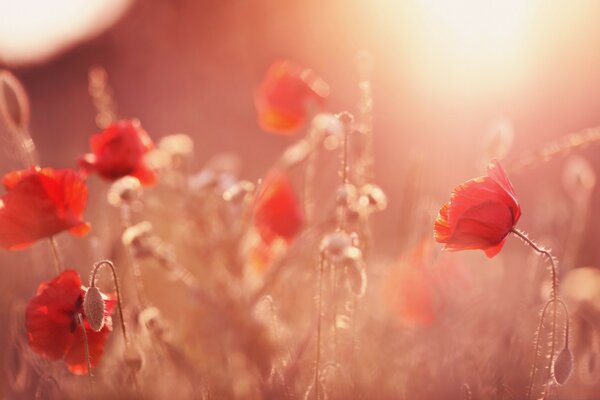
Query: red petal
280, 122
277, 211
480, 214
75, 356
285, 94
49, 314
40, 203
119, 151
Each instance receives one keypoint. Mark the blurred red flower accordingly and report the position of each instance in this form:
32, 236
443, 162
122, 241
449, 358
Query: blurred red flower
52, 326
119, 151
480, 213
285, 95
409, 289
277, 212
39, 203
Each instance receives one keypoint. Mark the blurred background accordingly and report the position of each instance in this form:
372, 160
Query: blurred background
445, 72
447, 77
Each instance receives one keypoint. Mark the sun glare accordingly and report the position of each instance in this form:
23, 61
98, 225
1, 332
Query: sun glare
475, 40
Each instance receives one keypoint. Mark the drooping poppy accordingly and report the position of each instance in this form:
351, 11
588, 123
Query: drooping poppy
119, 151
52, 324
277, 212
480, 214
285, 96
39, 203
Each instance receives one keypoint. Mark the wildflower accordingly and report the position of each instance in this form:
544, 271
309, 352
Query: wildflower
285, 95
277, 213
39, 203
409, 291
480, 214
53, 329
119, 151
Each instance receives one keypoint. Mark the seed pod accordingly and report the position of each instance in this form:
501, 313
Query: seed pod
124, 190
346, 195
239, 191
563, 366
334, 246
177, 145
14, 104
94, 307
371, 199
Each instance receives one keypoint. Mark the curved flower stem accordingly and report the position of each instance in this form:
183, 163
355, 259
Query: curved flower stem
111, 266
58, 265
546, 253
554, 300
135, 267
85, 345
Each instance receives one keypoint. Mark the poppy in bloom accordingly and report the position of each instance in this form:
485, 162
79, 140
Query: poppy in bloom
480, 214
277, 213
119, 151
285, 96
52, 323
39, 203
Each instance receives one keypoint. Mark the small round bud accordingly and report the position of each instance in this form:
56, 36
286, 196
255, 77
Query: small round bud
327, 125
141, 238
335, 245
295, 154
563, 366
371, 199
124, 190
346, 195
238, 191
94, 308
177, 145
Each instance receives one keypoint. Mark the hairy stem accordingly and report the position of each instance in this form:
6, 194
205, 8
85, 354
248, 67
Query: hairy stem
58, 265
319, 311
111, 266
85, 345
554, 300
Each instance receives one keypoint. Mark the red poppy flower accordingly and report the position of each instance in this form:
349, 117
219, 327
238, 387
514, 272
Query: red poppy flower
52, 326
480, 214
39, 203
409, 291
284, 97
119, 151
277, 211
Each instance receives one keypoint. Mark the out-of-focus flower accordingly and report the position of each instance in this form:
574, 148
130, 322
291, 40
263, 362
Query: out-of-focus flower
277, 213
52, 323
408, 291
119, 151
285, 95
39, 203
480, 214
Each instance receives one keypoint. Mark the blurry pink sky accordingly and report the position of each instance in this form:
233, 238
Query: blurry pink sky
444, 72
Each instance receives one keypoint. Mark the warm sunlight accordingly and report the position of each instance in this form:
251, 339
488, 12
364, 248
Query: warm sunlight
475, 40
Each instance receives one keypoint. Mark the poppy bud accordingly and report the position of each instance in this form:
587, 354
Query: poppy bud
563, 366
94, 308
